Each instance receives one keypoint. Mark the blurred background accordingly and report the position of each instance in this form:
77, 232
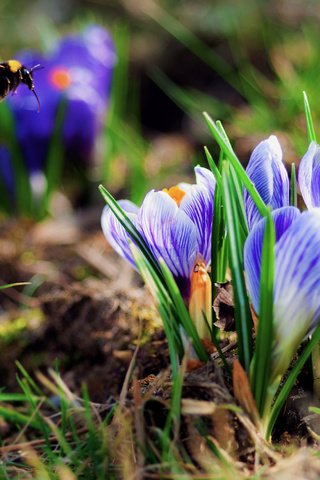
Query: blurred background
245, 63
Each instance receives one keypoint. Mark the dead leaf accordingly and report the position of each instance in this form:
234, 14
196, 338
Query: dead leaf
242, 391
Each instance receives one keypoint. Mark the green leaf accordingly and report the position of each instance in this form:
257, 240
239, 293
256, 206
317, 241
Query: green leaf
224, 144
235, 243
164, 305
293, 186
309, 121
213, 167
262, 360
219, 250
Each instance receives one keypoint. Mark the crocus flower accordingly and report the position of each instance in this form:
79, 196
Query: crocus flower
268, 173
309, 176
79, 71
296, 279
176, 224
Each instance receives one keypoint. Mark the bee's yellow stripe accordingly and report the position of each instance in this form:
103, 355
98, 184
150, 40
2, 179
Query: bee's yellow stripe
14, 65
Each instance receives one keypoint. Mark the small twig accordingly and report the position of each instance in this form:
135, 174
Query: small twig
225, 349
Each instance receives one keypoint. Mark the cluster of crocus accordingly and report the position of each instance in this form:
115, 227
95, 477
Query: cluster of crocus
77, 72
297, 249
176, 224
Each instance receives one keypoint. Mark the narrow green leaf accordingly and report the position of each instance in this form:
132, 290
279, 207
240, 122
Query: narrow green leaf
164, 305
240, 171
309, 121
213, 166
18, 284
218, 240
13, 416
242, 310
260, 377
293, 186
239, 202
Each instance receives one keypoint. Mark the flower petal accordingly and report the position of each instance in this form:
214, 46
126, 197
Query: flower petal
309, 176
268, 173
297, 285
283, 219
114, 231
169, 233
198, 206
205, 178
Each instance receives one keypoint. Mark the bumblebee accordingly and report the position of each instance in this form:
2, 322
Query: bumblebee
12, 73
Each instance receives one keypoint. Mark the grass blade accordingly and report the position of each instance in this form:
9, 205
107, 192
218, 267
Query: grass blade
309, 121
242, 310
264, 340
213, 167
219, 246
293, 186
240, 171
164, 305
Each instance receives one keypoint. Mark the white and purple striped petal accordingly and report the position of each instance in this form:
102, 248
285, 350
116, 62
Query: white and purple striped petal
169, 232
268, 173
114, 231
309, 176
198, 205
297, 284
297, 279
176, 225
283, 219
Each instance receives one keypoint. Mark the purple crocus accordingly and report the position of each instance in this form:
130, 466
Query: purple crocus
79, 71
309, 176
296, 279
175, 223
268, 173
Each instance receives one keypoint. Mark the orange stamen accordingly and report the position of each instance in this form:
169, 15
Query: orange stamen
175, 193
60, 78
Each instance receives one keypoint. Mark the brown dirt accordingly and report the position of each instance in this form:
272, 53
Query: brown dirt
92, 304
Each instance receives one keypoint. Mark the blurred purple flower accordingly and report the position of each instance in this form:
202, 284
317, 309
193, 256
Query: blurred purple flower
268, 173
176, 224
296, 278
79, 70
6, 171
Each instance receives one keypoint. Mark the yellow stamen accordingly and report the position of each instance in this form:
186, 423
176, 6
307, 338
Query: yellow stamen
200, 305
176, 193
60, 78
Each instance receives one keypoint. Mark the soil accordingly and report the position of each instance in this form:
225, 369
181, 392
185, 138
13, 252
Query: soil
87, 316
